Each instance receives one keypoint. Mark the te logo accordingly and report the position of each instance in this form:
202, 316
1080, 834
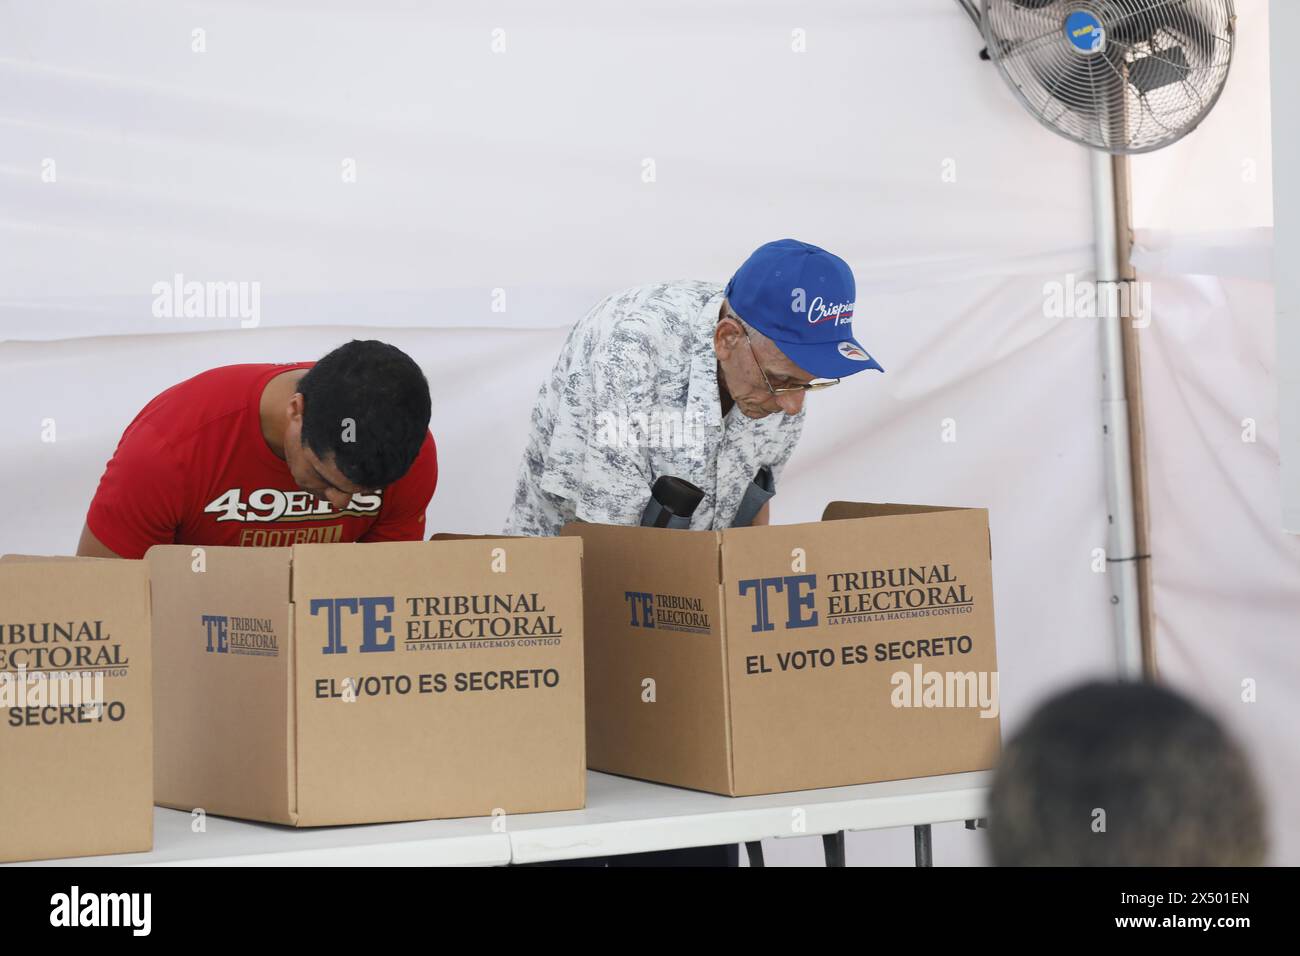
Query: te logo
216, 625
372, 623
645, 603
798, 590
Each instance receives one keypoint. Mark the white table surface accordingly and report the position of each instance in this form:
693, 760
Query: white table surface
622, 816
629, 816
230, 842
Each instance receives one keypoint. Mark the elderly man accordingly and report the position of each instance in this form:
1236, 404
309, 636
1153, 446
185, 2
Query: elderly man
690, 380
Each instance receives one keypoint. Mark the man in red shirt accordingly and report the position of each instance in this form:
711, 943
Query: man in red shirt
273, 455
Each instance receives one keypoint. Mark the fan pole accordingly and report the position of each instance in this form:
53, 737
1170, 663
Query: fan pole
1121, 538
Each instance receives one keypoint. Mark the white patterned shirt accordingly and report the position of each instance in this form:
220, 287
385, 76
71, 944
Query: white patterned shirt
633, 396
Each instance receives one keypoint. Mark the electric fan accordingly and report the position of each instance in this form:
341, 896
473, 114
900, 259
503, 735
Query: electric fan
1124, 76
1118, 76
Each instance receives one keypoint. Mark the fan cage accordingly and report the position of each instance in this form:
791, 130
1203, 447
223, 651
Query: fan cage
1159, 68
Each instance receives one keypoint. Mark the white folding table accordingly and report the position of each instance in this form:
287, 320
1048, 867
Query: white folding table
621, 816
629, 816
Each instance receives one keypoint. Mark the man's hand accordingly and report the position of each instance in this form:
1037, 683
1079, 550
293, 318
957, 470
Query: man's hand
91, 547
764, 515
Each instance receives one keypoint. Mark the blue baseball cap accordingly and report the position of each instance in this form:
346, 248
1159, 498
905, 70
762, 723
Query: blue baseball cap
801, 297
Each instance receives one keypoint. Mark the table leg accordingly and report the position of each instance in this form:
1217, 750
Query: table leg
924, 856
754, 849
833, 845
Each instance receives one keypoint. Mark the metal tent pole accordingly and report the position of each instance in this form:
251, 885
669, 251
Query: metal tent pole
1121, 538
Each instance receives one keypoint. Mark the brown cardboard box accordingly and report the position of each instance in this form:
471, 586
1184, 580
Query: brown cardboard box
769, 664
290, 688
76, 772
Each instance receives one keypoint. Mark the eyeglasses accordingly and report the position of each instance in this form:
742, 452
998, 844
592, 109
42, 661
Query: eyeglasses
813, 386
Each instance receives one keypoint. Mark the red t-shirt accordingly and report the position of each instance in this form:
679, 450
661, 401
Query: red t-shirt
194, 468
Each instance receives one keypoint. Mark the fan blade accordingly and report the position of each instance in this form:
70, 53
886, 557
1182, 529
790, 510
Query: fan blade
1091, 89
1138, 26
1149, 73
1085, 85
1133, 26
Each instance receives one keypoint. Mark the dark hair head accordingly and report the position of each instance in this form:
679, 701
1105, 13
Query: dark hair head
1127, 774
383, 393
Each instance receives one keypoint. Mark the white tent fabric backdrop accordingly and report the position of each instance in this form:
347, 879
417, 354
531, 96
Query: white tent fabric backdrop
613, 145
1227, 579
